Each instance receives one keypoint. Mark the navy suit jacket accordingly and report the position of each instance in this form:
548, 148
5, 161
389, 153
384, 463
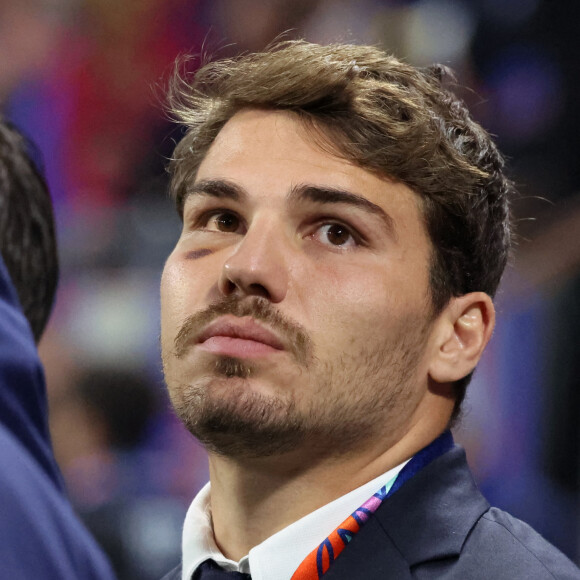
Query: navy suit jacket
439, 526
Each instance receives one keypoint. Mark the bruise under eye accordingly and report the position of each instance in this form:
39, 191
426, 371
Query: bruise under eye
196, 254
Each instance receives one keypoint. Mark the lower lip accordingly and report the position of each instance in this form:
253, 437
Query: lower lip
236, 347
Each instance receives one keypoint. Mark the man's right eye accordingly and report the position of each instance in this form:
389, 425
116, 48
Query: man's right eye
223, 221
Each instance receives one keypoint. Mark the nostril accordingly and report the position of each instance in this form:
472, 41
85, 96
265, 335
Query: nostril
229, 287
232, 285
259, 290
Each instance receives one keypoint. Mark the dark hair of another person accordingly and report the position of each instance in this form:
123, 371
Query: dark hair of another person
383, 115
27, 232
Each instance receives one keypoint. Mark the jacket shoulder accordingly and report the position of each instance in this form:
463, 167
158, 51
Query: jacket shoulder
517, 549
502, 547
439, 526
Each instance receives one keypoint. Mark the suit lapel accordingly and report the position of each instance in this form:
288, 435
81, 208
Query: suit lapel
427, 519
432, 514
371, 554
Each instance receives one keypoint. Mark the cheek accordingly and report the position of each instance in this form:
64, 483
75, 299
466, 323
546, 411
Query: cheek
340, 304
362, 303
173, 293
187, 286
371, 286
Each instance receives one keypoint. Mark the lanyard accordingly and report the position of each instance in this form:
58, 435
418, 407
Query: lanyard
320, 559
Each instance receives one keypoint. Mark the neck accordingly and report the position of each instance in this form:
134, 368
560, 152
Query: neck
252, 499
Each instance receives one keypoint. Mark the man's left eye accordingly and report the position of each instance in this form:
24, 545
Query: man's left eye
337, 235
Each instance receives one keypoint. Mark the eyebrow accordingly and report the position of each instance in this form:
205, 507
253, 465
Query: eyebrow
332, 195
216, 188
223, 189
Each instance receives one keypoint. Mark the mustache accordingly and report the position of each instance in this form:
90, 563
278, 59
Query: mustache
293, 335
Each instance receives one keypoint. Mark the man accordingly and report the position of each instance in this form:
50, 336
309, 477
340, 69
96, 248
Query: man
40, 536
345, 226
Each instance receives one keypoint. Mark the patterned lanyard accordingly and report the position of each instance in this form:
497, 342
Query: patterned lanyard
319, 560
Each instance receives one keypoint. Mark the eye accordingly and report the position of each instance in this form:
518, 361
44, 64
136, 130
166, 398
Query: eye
336, 234
223, 221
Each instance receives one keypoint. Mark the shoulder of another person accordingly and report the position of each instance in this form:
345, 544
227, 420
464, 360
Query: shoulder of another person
41, 535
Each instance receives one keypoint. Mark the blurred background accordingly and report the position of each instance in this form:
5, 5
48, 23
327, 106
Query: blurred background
83, 79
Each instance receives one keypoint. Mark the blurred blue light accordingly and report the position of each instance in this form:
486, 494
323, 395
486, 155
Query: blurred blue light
527, 92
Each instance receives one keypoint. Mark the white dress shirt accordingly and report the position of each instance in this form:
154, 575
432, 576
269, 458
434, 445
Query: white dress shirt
277, 557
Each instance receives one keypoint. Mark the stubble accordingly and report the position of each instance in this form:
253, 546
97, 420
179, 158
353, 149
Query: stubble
341, 404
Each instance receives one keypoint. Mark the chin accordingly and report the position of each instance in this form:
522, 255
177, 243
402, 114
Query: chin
234, 421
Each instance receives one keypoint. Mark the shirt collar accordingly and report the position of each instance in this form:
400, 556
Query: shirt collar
277, 557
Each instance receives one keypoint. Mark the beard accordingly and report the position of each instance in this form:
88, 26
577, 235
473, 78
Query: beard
241, 423
341, 404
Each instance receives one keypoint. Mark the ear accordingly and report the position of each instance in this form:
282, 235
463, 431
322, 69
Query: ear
463, 331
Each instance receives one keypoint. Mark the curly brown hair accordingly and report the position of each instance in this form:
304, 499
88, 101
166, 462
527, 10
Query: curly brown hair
386, 116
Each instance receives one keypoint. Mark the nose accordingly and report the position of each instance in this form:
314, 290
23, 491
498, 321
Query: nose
258, 265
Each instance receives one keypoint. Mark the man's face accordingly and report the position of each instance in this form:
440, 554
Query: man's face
295, 305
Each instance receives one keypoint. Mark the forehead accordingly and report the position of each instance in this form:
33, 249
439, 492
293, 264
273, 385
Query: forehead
272, 137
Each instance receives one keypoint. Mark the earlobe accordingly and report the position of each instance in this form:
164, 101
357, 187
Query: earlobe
464, 329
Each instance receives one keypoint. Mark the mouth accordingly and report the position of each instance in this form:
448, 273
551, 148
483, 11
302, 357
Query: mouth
239, 338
